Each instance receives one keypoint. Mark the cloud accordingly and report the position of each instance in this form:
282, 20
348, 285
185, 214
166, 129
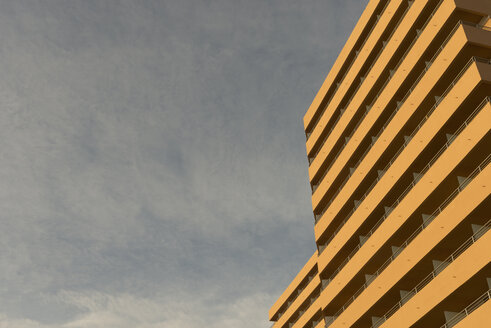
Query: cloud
126, 311
152, 160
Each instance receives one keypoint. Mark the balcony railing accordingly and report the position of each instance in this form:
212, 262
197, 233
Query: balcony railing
296, 293
427, 66
362, 79
468, 310
309, 302
382, 172
428, 220
406, 191
461, 249
391, 71
357, 52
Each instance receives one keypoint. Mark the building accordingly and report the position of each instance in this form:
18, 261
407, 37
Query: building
398, 145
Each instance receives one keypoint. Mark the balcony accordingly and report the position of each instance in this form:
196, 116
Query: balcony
324, 196
407, 295
478, 311
368, 21
342, 143
418, 201
302, 287
412, 249
387, 20
335, 265
383, 170
388, 52
389, 47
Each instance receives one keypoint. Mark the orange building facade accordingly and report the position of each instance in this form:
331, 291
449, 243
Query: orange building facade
399, 146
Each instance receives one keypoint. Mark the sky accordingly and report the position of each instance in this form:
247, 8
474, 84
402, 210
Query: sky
152, 157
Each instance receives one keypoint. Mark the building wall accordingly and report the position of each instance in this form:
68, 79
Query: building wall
398, 143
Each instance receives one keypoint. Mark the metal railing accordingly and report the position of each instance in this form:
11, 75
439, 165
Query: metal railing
398, 63
309, 302
296, 293
368, 107
428, 220
406, 191
461, 249
357, 52
362, 79
468, 310
382, 88
437, 102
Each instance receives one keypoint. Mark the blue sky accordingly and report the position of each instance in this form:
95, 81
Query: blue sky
152, 158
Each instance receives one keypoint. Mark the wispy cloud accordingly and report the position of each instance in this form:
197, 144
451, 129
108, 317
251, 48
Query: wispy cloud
152, 160
127, 311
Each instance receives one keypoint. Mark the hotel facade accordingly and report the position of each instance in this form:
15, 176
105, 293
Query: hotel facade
399, 147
